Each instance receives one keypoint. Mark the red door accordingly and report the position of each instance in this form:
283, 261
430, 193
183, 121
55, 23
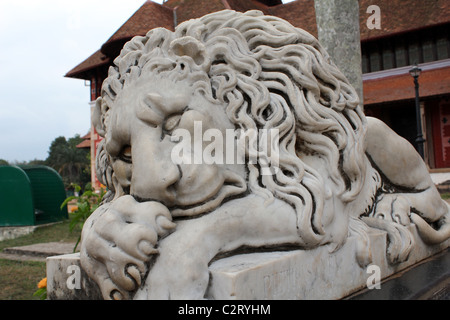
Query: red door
441, 134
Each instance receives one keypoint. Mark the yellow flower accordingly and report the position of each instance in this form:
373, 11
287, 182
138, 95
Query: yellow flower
42, 283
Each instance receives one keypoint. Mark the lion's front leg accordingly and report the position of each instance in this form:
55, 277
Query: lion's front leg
181, 269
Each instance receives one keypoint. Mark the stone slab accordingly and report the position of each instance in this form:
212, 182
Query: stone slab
42, 249
313, 274
12, 232
62, 274
427, 280
300, 274
7, 233
37, 252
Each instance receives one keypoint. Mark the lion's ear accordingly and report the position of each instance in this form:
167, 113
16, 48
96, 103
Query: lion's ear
189, 46
97, 117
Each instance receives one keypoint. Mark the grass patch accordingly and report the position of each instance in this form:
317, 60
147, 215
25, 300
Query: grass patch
445, 196
19, 279
58, 232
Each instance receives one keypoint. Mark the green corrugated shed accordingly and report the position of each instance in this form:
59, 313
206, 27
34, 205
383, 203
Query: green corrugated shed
16, 197
30, 195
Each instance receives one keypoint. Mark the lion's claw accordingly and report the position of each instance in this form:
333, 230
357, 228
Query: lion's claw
120, 240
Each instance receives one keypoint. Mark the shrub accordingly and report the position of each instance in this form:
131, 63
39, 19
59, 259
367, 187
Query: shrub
86, 203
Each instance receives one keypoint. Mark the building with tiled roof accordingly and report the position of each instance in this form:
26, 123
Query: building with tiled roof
86, 143
410, 32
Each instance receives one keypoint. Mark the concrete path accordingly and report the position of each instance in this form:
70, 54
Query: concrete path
37, 252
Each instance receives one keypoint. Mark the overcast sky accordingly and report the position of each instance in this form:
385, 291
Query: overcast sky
41, 40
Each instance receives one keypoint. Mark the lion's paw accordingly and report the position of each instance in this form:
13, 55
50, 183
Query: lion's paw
119, 241
392, 207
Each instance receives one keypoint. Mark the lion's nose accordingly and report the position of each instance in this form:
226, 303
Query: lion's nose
154, 175
155, 184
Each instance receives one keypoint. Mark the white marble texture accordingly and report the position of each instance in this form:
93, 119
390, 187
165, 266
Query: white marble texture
313, 274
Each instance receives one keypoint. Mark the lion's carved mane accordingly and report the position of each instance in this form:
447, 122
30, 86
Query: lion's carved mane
271, 75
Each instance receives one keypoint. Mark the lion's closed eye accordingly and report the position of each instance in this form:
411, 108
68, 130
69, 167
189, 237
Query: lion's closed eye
125, 154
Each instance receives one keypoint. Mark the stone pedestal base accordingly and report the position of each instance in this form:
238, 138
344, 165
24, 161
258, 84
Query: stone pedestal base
299, 274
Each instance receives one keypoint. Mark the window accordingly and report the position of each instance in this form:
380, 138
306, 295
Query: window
414, 53
401, 56
428, 50
388, 58
375, 61
421, 46
365, 63
442, 48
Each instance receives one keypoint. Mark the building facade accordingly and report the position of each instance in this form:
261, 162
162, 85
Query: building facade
395, 35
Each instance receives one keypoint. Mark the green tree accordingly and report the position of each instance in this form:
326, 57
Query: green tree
3, 162
72, 163
36, 162
29, 163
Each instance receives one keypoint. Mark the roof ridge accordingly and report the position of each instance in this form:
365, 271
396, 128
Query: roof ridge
134, 25
147, 2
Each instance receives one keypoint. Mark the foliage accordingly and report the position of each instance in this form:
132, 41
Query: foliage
72, 163
41, 292
85, 204
31, 162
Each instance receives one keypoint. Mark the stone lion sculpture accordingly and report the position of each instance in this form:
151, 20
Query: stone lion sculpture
337, 172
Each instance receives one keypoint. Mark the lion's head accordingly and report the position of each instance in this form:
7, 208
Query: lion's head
231, 70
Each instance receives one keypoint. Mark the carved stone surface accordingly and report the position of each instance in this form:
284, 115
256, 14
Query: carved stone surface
67, 280
278, 275
236, 133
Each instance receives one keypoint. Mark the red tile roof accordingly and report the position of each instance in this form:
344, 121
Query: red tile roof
149, 16
300, 13
191, 9
397, 16
86, 143
243, 6
97, 59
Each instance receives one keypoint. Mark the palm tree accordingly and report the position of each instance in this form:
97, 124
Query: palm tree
72, 163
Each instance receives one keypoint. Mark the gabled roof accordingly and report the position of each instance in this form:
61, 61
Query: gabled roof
86, 143
149, 16
96, 60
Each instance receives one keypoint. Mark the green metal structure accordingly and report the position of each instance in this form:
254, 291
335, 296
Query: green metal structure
30, 195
